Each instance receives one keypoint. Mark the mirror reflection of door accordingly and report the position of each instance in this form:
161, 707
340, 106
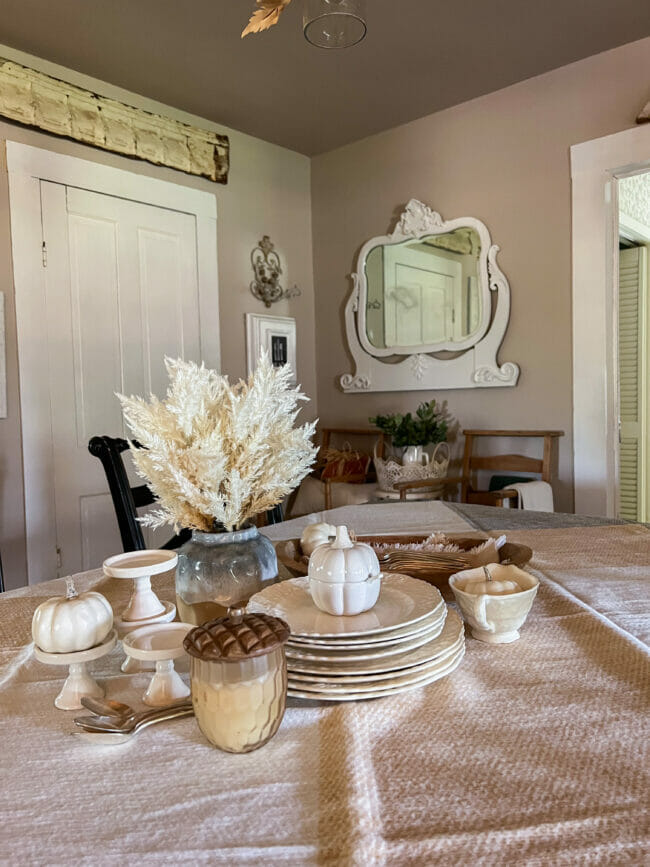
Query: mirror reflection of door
423, 292
419, 292
633, 349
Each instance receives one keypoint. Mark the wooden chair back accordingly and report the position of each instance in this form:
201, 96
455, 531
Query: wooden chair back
509, 463
326, 434
376, 437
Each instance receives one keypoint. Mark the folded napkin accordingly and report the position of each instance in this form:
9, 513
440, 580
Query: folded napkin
536, 496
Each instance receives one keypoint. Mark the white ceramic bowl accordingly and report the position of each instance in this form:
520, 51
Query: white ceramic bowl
345, 598
495, 619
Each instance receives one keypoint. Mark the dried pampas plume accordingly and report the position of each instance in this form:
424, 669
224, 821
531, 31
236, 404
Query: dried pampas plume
215, 453
266, 15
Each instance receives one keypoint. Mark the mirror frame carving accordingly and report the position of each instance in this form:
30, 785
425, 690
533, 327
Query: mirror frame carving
476, 366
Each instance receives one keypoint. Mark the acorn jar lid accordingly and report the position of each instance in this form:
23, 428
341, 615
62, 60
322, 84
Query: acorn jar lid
237, 637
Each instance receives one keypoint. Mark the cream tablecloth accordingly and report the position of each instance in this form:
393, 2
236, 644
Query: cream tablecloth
531, 753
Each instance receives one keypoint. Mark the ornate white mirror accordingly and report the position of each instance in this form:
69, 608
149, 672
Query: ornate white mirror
429, 307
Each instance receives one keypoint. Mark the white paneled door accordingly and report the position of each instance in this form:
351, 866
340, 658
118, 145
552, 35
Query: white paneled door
113, 271
121, 292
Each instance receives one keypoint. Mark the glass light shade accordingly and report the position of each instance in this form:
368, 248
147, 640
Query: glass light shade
334, 23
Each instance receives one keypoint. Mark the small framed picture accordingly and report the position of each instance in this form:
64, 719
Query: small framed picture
276, 334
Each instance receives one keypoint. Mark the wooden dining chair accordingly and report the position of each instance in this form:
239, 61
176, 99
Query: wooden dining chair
507, 463
127, 499
374, 435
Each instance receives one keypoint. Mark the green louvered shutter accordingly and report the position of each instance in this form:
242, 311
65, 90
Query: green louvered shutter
632, 383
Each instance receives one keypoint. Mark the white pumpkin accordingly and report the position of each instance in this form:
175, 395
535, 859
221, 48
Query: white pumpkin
492, 588
76, 621
343, 560
314, 535
344, 576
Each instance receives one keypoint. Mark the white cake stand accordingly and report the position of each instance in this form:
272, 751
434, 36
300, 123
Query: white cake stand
161, 643
139, 566
78, 682
144, 608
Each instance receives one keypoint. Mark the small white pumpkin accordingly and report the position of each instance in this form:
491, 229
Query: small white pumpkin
76, 621
343, 560
314, 535
344, 576
492, 588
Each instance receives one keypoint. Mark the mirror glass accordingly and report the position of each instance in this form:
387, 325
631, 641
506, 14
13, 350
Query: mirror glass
423, 292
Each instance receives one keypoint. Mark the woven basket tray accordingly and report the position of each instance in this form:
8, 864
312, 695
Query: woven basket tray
390, 472
290, 555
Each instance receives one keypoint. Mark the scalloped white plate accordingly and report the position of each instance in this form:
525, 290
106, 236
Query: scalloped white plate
333, 679
373, 639
363, 652
383, 639
402, 601
452, 633
403, 684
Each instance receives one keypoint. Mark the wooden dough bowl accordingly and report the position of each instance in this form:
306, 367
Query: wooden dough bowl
436, 571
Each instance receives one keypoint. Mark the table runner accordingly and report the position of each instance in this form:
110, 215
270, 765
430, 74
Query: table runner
530, 753
401, 517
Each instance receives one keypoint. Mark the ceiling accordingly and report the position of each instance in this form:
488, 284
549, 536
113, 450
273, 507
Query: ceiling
419, 56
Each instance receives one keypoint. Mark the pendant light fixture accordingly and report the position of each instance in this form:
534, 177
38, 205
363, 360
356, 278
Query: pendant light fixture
334, 23
325, 23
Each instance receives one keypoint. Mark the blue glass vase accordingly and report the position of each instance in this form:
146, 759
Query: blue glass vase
218, 571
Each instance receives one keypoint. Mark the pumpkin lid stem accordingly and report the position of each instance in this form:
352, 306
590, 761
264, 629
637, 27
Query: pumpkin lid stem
70, 590
342, 538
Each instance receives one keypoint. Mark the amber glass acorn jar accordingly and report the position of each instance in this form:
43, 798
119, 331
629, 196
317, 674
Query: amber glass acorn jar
238, 679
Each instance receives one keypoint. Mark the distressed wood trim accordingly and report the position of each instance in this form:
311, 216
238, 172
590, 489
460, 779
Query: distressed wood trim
35, 99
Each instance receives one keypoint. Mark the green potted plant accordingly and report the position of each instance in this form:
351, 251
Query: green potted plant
413, 432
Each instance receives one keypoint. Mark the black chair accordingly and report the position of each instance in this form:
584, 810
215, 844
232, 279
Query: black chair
2, 578
127, 500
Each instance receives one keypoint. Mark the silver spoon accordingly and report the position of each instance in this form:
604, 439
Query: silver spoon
104, 722
113, 737
107, 706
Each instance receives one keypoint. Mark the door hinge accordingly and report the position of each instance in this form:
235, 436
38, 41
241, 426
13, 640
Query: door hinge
44, 254
59, 558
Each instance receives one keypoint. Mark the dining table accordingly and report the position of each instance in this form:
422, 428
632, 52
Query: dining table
530, 753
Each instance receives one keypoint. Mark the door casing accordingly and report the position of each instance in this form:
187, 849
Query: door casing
596, 167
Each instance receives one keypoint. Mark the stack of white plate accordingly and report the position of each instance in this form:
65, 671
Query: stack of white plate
409, 639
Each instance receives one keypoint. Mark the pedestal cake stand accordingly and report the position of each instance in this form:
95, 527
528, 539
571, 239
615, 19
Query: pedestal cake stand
79, 682
144, 608
161, 643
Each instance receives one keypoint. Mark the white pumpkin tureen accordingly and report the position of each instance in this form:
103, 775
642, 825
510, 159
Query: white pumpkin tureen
344, 576
76, 621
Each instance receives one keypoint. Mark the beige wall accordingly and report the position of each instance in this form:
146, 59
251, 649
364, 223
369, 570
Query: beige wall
505, 159
268, 192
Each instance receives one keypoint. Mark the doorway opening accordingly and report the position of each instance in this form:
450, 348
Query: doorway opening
633, 348
597, 168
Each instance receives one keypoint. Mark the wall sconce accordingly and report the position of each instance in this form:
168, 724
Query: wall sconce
267, 269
